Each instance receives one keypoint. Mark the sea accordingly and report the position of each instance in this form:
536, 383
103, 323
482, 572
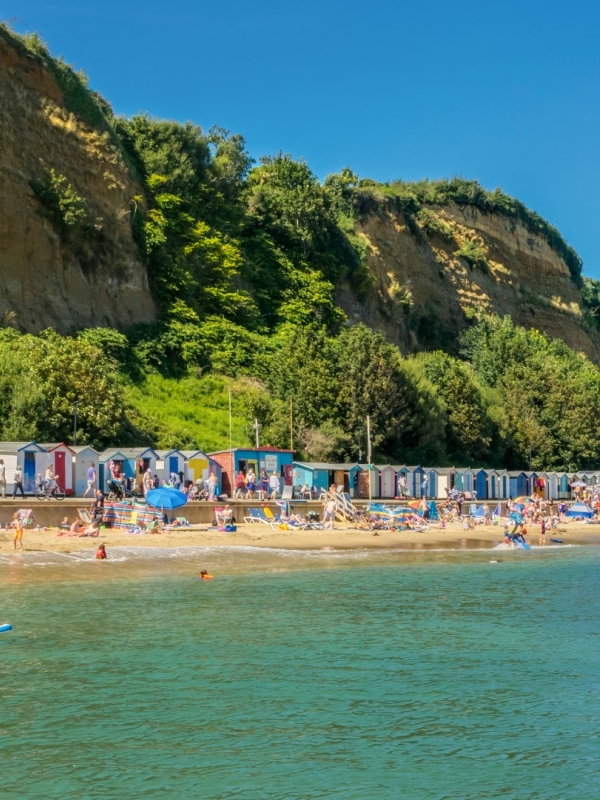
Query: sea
427, 674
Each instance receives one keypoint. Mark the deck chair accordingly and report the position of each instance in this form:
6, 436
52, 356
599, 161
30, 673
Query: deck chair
84, 516
271, 517
257, 515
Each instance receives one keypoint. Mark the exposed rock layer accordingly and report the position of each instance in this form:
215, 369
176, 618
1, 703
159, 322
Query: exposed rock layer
521, 275
42, 278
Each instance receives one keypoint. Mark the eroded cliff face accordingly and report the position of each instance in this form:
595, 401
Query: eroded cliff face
43, 277
425, 291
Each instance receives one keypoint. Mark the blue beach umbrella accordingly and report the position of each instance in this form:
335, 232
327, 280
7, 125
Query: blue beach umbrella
166, 498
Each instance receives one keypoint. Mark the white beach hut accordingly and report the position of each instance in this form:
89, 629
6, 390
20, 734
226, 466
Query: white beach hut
26, 455
387, 481
60, 455
169, 462
84, 456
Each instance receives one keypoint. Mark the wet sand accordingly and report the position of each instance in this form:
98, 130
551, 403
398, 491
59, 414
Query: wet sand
340, 538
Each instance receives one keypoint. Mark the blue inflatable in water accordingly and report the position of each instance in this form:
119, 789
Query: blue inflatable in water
5, 627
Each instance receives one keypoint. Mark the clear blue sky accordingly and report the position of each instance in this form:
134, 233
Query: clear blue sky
507, 93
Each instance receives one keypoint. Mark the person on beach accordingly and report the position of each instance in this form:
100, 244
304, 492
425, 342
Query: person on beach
18, 483
562, 510
205, 576
329, 514
101, 552
542, 539
2, 478
487, 514
97, 509
91, 479
17, 524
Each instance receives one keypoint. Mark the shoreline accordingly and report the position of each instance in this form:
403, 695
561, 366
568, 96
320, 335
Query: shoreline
258, 536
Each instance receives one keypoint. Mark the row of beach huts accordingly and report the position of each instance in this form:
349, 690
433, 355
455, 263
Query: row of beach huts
365, 481
71, 464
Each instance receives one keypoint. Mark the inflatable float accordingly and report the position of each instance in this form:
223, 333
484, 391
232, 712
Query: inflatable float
5, 627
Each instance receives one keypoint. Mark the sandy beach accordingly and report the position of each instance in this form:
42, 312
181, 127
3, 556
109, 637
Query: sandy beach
51, 539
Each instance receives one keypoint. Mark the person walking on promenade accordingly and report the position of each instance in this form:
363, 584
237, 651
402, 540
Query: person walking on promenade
402, 486
147, 481
212, 486
240, 485
2, 478
274, 485
18, 483
91, 479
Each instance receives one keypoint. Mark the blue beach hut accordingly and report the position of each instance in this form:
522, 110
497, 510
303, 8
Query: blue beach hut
518, 484
481, 484
29, 456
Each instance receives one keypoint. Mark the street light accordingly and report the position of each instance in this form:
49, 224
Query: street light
75, 404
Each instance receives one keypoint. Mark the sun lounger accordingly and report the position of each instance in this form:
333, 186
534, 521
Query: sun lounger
257, 515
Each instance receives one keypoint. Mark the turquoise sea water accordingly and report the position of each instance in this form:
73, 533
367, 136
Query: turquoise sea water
429, 675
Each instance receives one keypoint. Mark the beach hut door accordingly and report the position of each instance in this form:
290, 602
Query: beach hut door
29, 471
59, 468
173, 465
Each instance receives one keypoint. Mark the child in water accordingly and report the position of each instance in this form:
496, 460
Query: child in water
101, 552
205, 576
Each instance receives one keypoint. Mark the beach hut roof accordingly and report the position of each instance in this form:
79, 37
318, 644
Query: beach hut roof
191, 453
53, 445
516, 473
445, 470
324, 465
130, 452
165, 453
14, 447
79, 448
266, 448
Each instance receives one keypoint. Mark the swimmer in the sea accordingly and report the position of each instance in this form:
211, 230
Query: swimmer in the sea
205, 576
101, 552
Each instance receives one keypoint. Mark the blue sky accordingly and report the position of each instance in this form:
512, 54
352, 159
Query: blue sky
506, 93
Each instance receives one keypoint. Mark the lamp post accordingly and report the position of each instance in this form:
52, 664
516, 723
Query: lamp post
75, 404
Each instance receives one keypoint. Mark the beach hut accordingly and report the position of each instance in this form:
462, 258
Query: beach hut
367, 483
417, 474
468, 479
432, 481
445, 481
241, 459
551, 488
83, 458
493, 484
133, 462
503, 484
196, 467
322, 475
518, 484
387, 481
481, 483
171, 462
403, 470
564, 489
26, 455
60, 455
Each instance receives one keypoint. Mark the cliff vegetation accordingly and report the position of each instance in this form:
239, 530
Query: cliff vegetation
455, 317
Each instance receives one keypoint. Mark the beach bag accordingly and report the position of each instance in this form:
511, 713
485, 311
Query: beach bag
230, 528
